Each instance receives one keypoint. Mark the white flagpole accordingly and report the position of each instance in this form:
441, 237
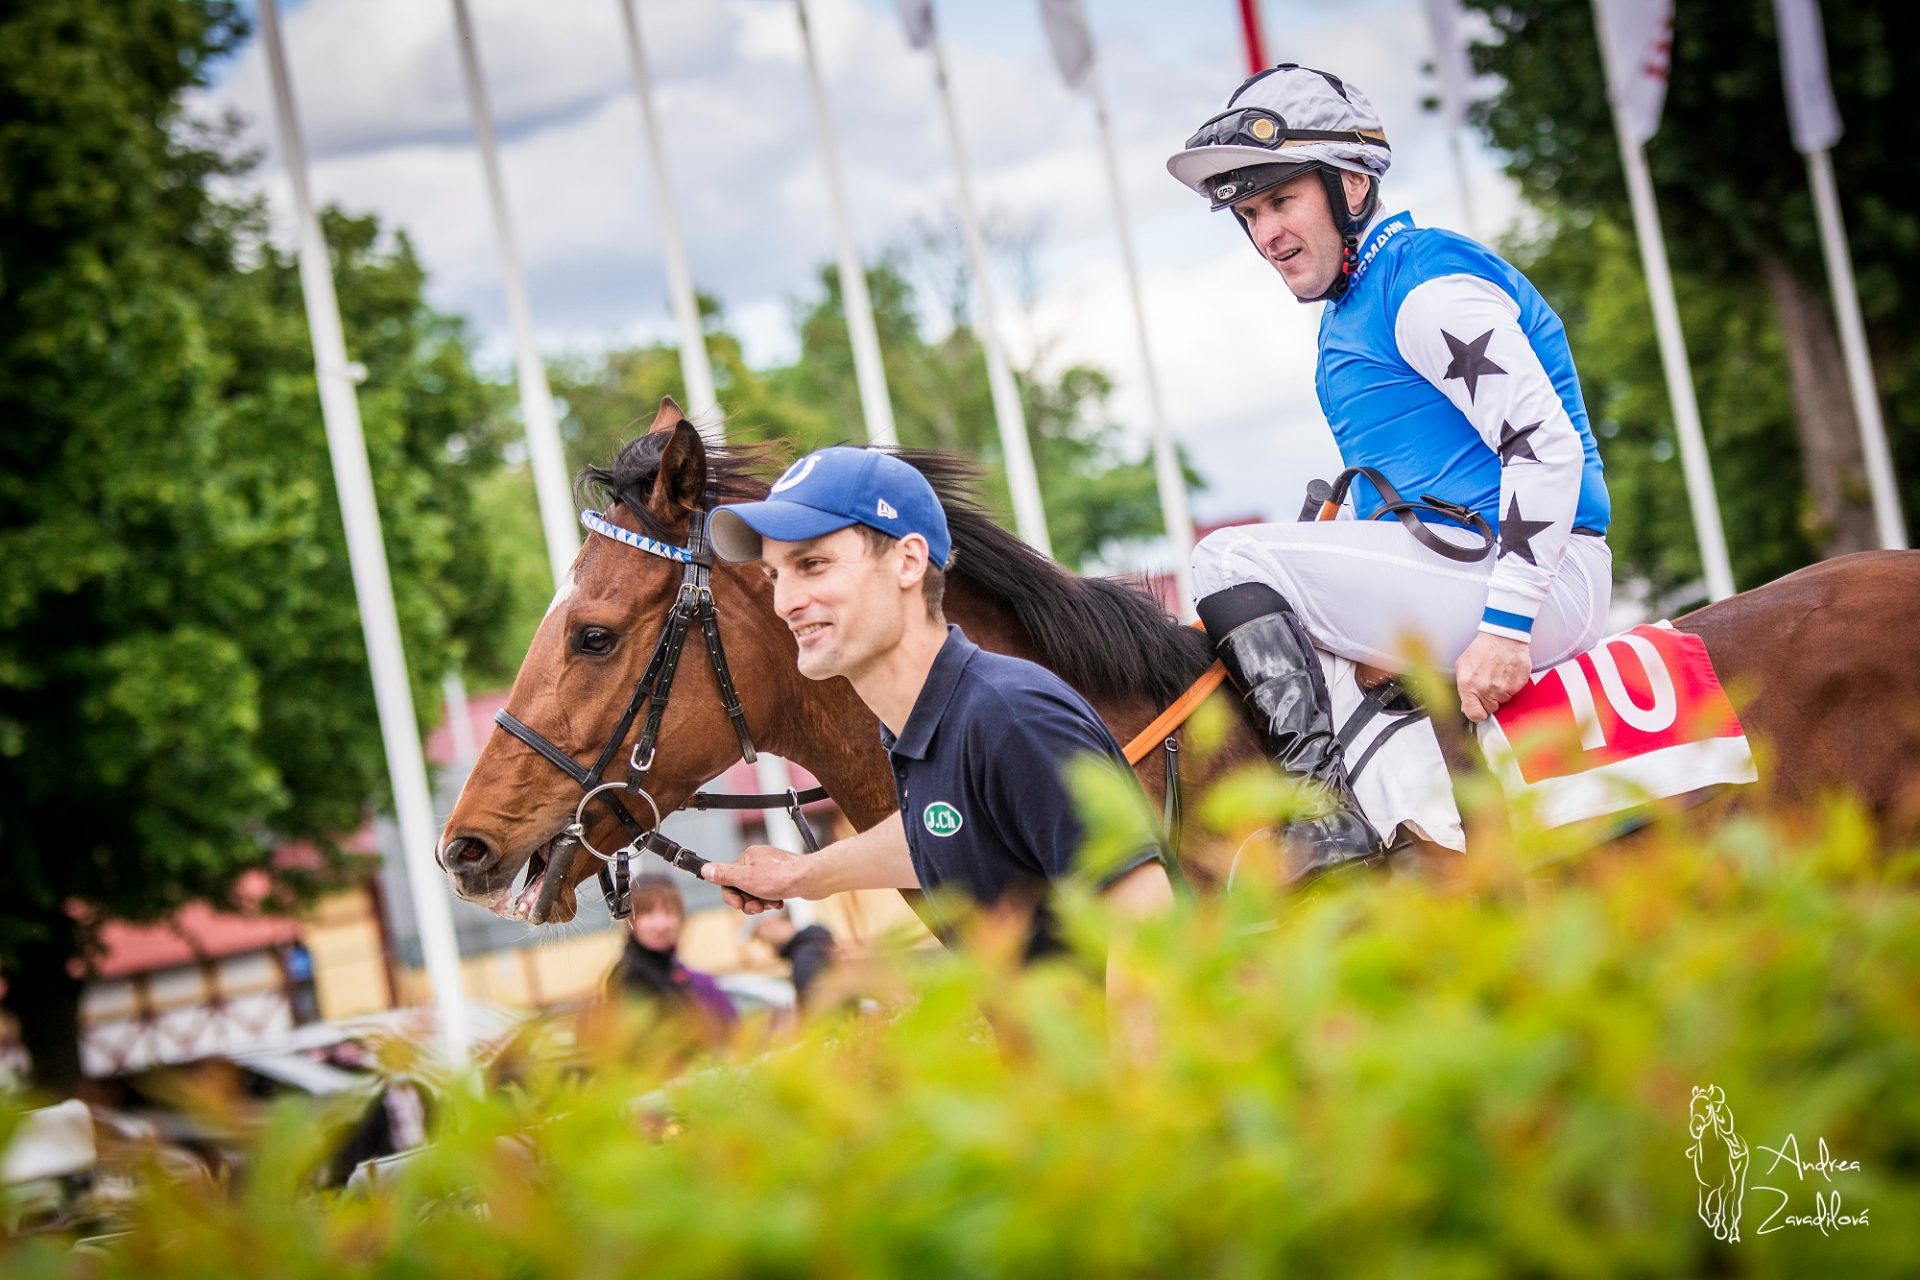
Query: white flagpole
696, 370
557, 515
367, 557
1029, 516
1887, 516
1174, 512
1452, 70
868, 370
1694, 463
1815, 120
453, 687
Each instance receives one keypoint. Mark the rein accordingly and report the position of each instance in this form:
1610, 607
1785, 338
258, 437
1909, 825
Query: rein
652, 690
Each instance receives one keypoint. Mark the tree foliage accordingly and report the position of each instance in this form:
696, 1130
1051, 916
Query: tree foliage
183, 679
1738, 219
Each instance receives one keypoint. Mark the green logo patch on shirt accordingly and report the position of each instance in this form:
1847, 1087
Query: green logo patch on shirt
941, 818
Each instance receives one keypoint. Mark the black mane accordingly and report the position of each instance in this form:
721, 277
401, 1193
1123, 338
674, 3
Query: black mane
734, 474
1106, 638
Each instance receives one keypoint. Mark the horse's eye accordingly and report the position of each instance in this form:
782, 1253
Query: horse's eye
594, 640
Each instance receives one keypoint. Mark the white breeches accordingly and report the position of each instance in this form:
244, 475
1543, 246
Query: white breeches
1366, 590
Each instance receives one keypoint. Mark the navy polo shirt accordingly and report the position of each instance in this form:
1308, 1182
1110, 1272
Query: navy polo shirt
977, 771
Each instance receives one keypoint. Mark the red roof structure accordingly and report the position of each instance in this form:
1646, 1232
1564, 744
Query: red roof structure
196, 932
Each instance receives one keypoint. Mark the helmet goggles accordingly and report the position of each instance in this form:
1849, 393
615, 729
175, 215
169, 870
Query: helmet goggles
1260, 127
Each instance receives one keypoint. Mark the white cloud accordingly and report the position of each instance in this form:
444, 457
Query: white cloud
386, 119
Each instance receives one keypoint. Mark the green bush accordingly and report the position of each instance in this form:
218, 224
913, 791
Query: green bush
1376, 1078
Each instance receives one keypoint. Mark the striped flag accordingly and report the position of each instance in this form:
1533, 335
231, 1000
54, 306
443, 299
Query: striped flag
1638, 51
1803, 62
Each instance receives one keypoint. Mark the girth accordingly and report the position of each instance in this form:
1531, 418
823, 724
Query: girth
651, 691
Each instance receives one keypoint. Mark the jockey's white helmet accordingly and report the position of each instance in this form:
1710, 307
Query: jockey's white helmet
1283, 122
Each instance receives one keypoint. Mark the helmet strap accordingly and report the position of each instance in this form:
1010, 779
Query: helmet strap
1349, 225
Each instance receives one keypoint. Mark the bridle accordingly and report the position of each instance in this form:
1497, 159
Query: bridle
652, 690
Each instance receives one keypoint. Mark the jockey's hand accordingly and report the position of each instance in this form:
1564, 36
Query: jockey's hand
1492, 670
762, 878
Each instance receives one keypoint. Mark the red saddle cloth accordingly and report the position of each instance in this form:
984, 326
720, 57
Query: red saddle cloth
1638, 717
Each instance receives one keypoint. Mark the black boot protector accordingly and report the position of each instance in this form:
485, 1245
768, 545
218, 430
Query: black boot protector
1272, 663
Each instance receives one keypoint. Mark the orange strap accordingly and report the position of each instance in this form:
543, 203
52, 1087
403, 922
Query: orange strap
1176, 715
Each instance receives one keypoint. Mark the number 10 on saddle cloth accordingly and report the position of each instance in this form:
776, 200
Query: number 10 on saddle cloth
1640, 716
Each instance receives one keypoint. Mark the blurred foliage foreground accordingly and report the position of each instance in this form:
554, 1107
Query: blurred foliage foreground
1374, 1078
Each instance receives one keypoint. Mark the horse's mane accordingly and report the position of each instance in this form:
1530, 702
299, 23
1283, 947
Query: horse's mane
1106, 638
735, 473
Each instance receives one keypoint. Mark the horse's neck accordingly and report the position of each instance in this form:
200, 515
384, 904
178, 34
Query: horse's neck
833, 734
991, 625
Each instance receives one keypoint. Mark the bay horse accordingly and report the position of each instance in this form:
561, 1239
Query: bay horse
1820, 664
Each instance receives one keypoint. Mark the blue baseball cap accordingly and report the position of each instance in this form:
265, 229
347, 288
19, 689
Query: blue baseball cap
833, 489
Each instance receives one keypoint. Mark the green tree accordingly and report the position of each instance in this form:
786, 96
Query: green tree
1740, 228
182, 676
1590, 270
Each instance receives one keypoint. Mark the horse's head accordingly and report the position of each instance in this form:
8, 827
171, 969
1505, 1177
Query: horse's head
587, 656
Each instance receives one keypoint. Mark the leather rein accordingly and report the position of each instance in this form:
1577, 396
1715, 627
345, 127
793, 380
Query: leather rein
651, 691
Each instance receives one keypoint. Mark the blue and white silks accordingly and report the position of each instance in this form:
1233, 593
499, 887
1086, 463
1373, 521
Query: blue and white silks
1443, 367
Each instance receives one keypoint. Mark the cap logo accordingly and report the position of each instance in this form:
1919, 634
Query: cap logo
886, 510
1225, 190
796, 473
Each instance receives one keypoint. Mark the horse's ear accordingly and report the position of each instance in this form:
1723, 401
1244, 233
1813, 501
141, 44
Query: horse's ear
669, 414
681, 480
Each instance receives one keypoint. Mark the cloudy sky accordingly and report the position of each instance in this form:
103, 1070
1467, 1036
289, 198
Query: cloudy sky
385, 116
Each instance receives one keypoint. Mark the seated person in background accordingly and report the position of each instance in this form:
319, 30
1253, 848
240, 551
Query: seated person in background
808, 951
648, 969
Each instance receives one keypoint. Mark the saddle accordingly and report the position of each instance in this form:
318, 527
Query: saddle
1659, 726
1382, 686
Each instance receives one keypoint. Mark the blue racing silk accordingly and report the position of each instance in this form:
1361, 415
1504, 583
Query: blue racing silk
1444, 368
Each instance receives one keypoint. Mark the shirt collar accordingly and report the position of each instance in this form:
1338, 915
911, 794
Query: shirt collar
1382, 229
943, 680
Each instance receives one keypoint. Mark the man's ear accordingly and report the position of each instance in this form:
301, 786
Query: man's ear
914, 559
1355, 185
680, 482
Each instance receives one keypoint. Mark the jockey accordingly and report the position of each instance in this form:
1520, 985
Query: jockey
1442, 368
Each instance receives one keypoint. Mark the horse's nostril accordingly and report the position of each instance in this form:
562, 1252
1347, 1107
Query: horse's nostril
467, 851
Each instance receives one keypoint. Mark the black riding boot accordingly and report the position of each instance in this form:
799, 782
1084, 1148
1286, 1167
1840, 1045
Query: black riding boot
1272, 663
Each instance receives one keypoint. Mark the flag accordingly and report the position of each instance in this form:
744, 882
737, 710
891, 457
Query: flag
1637, 47
1066, 24
1803, 64
1256, 40
1450, 60
918, 17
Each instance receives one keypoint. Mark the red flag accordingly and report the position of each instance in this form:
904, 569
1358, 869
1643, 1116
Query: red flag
1256, 42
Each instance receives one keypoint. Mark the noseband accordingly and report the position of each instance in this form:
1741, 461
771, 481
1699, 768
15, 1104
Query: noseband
652, 690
